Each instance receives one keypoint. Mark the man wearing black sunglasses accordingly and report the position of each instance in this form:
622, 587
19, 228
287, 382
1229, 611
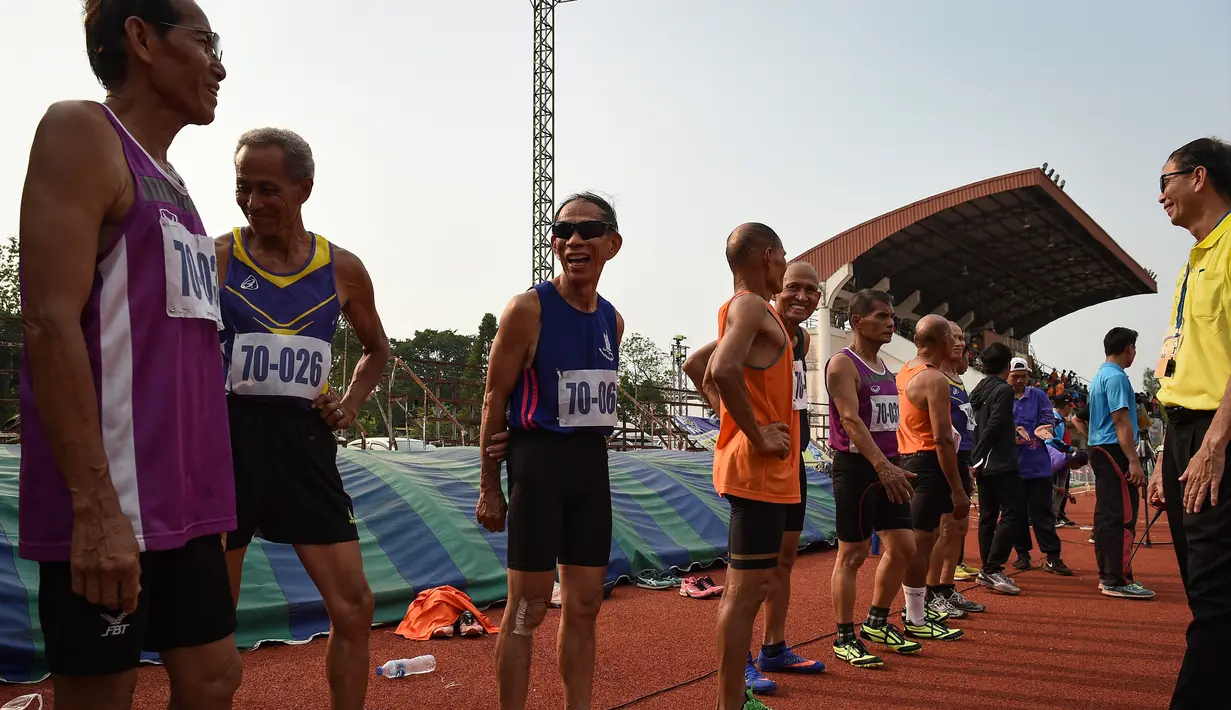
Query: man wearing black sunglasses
551, 383
126, 482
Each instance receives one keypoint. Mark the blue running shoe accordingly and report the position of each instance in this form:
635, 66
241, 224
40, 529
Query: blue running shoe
756, 681
788, 662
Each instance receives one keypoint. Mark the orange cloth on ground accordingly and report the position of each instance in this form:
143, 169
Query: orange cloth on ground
436, 607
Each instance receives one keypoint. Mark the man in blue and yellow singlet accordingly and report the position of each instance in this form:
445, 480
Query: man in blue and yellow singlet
282, 291
551, 383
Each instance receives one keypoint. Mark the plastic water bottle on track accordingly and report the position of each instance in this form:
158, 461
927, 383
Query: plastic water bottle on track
407, 666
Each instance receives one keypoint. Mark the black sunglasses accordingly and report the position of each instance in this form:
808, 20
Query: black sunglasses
1162, 179
590, 229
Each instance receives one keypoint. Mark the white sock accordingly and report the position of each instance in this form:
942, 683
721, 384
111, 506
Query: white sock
914, 604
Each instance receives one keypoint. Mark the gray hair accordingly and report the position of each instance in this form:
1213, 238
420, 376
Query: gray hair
297, 154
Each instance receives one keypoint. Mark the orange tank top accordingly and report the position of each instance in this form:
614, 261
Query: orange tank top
914, 424
738, 469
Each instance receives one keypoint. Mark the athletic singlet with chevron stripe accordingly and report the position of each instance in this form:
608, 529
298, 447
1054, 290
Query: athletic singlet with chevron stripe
278, 328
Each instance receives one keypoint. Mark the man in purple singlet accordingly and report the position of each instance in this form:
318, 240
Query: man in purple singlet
870, 491
126, 482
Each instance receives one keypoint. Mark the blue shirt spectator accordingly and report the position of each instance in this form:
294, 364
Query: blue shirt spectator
1110, 392
1031, 411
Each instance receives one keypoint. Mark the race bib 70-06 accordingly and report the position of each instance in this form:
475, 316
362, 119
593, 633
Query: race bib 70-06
266, 364
191, 270
884, 413
586, 398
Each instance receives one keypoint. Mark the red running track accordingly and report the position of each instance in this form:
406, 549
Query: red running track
1060, 644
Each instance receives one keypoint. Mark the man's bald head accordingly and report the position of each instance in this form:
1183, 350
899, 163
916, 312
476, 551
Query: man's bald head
801, 270
749, 239
930, 331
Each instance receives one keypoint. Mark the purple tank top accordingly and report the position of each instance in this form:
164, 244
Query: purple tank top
151, 331
878, 408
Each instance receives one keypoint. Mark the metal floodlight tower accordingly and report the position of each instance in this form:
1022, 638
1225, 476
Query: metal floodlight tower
543, 193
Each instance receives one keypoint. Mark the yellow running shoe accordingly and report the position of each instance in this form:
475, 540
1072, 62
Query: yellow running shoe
932, 630
856, 654
889, 636
965, 572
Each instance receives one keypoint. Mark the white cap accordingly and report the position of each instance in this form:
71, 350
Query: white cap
1018, 363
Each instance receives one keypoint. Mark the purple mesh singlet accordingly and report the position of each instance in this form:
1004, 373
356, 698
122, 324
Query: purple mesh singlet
878, 408
151, 330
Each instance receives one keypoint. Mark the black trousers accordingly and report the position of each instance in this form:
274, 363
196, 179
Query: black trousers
1203, 549
1041, 516
1002, 509
1115, 515
1060, 499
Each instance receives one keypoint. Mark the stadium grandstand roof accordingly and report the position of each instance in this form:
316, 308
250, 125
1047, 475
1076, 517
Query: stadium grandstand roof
1012, 252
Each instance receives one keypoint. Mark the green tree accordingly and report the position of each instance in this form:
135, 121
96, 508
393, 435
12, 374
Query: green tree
476, 371
1150, 382
10, 328
644, 369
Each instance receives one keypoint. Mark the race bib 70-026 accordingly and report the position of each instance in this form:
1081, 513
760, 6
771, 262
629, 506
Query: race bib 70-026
191, 270
800, 399
586, 398
265, 364
884, 413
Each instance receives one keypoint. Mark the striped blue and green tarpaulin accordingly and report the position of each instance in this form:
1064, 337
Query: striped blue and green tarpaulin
417, 529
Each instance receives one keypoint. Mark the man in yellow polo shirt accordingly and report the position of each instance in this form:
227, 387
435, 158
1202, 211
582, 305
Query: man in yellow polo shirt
1194, 370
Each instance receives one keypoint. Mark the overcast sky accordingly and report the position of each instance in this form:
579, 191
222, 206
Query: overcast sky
695, 115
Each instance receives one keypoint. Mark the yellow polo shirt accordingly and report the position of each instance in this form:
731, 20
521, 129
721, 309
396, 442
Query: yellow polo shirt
1203, 361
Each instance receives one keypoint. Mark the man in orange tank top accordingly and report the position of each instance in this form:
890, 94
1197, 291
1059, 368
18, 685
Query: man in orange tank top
927, 445
754, 468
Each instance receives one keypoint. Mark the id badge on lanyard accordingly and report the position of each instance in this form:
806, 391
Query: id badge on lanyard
1165, 367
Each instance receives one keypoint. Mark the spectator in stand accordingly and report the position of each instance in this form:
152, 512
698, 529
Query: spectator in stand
1035, 424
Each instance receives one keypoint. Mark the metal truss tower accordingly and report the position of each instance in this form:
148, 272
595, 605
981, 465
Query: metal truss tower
543, 194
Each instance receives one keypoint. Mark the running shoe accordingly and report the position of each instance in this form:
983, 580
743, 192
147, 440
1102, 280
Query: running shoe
555, 596
1058, 567
965, 572
939, 606
788, 662
443, 632
469, 625
751, 703
653, 579
1059, 524
940, 615
856, 654
755, 680
957, 601
889, 636
1128, 591
1069, 523
1023, 563
930, 630
999, 582
700, 588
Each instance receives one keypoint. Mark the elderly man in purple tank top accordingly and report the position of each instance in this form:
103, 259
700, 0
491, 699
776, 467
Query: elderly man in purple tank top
871, 493
126, 483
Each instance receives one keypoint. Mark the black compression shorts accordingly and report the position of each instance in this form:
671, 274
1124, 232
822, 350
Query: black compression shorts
287, 485
861, 505
755, 535
185, 601
933, 496
795, 511
559, 501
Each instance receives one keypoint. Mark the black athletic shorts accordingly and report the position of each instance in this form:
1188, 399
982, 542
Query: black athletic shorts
795, 511
933, 496
860, 502
185, 601
287, 485
559, 501
755, 535
963, 469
